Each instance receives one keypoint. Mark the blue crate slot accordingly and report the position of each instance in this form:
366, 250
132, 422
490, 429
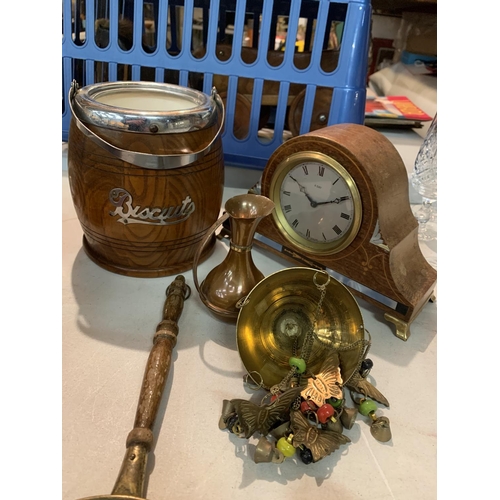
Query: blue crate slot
183, 48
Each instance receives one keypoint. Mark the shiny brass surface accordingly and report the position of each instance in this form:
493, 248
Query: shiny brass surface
402, 327
235, 277
279, 312
348, 417
132, 475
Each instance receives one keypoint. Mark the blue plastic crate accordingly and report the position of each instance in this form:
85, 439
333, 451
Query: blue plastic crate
198, 43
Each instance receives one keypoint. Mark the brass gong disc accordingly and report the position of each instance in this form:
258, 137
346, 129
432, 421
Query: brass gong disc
277, 315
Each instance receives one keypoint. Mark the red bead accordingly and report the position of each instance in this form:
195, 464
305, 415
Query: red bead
274, 397
325, 412
307, 406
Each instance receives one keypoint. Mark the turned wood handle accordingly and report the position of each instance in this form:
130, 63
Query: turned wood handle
131, 481
158, 364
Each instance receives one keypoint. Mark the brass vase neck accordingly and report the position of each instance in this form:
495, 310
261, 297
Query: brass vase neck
242, 233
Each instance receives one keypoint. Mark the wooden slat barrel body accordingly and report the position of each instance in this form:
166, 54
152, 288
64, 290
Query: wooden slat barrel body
144, 222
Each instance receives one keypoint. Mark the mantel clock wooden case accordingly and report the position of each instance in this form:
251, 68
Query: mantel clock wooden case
342, 204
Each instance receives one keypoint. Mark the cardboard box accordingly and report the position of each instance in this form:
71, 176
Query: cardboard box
421, 35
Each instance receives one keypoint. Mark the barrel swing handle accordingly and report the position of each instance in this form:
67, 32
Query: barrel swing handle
146, 160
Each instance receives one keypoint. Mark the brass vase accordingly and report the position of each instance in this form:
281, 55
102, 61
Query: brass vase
235, 277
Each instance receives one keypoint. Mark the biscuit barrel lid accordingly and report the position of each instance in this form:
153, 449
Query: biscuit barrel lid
147, 108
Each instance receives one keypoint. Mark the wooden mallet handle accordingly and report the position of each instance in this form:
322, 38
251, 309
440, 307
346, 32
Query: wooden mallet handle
140, 439
160, 357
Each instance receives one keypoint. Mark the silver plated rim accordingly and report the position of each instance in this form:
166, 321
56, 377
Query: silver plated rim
200, 115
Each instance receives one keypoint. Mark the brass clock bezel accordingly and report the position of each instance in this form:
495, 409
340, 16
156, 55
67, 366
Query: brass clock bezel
279, 217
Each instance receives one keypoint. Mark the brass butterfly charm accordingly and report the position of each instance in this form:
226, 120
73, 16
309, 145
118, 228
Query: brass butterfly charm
360, 385
320, 442
261, 418
326, 384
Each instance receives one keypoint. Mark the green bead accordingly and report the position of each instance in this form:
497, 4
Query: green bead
285, 447
336, 403
299, 363
367, 406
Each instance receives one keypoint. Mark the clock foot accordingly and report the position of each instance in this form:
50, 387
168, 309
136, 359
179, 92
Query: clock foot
402, 327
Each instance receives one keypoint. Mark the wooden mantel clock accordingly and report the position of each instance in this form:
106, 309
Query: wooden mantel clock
342, 204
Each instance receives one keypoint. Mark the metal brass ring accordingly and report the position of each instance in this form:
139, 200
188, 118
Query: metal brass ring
241, 302
239, 248
258, 385
324, 285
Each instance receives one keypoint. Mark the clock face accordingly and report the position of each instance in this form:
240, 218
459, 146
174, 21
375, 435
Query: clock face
318, 207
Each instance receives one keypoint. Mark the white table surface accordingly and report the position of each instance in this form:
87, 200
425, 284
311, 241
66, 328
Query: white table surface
107, 329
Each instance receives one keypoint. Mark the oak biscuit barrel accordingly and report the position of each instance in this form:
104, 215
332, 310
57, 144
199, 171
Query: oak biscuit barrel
146, 173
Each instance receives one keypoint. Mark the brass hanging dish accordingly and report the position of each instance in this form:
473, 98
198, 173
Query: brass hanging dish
300, 336
279, 312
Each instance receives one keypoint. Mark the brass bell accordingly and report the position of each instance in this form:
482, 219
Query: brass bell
348, 417
267, 452
334, 425
228, 409
381, 429
282, 431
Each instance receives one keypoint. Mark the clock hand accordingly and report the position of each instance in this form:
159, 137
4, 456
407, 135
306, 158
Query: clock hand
336, 200
303, 190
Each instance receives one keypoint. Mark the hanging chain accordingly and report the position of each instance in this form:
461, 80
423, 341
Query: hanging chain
309, 339
307, 345
292, 378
